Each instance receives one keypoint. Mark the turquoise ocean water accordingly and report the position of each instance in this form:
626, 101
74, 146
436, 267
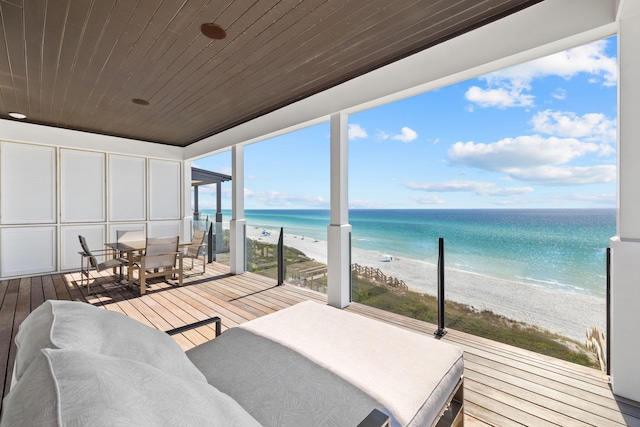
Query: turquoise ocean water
558, 249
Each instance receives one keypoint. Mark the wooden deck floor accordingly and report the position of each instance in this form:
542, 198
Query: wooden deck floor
504, 386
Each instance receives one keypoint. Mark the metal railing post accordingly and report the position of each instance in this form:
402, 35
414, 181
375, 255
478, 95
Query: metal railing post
210, 245
281, 257
608, 361
440, 332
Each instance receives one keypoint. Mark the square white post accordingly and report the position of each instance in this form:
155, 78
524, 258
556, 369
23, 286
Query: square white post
238, 225
625, 248
339, 230
187, 216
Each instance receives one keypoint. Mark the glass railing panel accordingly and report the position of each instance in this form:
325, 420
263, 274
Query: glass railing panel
301, 268
219, 235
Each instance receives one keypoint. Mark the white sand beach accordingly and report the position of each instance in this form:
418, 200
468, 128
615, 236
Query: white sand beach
558, 311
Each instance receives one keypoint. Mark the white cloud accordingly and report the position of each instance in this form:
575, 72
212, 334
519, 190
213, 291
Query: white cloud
510, 87
590, 58
406, 135
501, 97
534, 159
519, 152
430, 199
560, 94
356, 131
275, 198
478, 187
591, 127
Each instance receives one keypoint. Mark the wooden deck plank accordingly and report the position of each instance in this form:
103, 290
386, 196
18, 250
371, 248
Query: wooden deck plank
553, 386
9, 293
48, 287
22, 310
556, 408
508, 415
62, 292
571, 402
231, 314
488, 416
37, 292
504, 386
532, 359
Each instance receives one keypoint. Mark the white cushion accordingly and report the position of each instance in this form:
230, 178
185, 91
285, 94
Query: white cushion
81, 326
77, 388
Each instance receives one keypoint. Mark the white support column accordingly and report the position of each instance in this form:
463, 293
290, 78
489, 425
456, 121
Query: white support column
339, 230
625, 248
238, 225
187, 217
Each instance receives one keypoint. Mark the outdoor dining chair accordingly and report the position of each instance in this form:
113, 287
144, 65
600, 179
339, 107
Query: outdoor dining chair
195, 248
161, 258
89, 257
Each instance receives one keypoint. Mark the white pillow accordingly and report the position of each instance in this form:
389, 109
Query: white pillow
78, 388
81, 326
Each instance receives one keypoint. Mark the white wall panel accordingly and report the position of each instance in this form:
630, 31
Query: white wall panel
27, 184
164, 189
82, 186
165, 228
27, 250
127, 188
70, 245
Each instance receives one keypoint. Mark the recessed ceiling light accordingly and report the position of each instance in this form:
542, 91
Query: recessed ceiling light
213, 31
140, 101
18, 115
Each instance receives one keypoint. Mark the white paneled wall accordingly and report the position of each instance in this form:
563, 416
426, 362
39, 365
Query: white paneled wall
127, 188
27, 184
50, 195
164, 184
27, 250
82, 186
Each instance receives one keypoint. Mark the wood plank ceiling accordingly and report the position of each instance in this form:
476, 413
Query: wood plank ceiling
78, 64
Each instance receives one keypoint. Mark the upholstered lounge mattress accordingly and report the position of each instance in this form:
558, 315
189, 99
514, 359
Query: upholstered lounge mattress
312, 364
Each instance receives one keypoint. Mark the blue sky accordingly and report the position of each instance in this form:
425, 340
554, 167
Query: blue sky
537, 135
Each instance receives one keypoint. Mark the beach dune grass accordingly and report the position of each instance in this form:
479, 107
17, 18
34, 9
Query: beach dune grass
463, 318
262, 259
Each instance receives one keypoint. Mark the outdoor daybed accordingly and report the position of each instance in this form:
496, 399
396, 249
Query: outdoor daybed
306, 365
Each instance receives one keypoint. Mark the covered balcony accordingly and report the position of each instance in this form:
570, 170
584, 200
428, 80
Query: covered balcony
105, 106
